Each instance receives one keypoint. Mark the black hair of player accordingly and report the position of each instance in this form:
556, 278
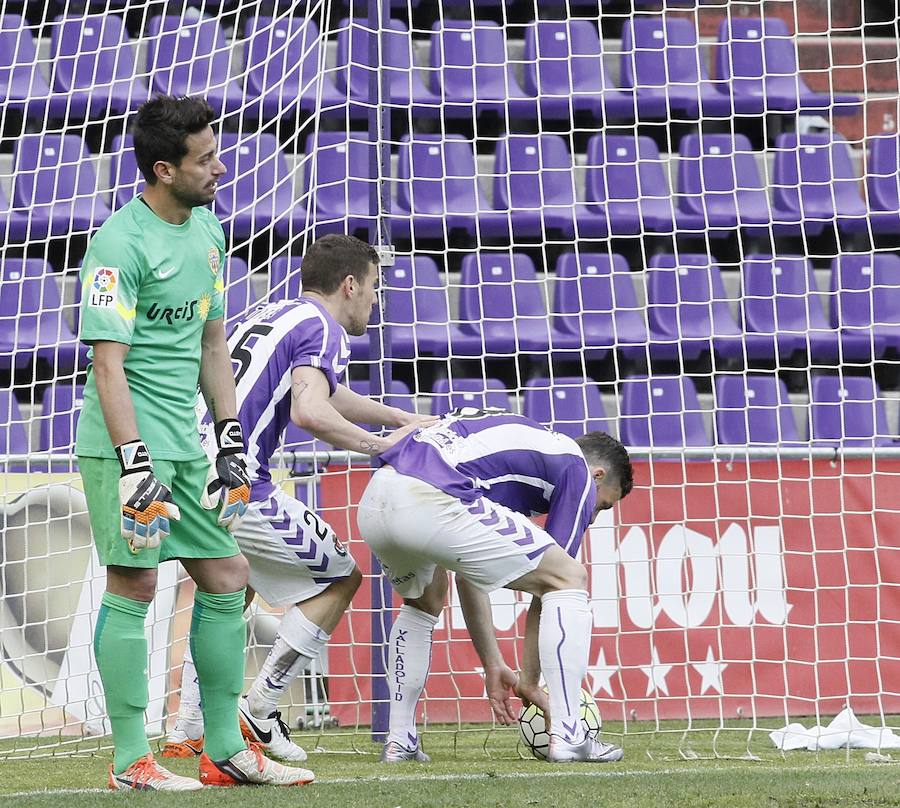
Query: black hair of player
161, 128
332, 258
600, 449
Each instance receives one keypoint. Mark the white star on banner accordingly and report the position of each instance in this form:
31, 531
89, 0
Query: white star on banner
601, 673
710, 672
656, 674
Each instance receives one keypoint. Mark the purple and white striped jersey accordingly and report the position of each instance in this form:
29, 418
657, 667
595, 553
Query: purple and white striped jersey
265, 349
508, 458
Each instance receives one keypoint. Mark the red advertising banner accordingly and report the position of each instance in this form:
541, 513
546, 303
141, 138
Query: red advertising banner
717, 589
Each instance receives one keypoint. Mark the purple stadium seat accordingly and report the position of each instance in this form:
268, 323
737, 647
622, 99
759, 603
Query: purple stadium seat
848, 410
438, 190
405, 82
753, 409
756, 63
187, 55
661, 58
626, 178
594, 300
534, 178
661, 411
55, 186
448, 394
13, 223
882, 173
284, 278
339, 176
815, 184
564, 69
13, 437
285, 63
124, 177
782, 311
471, 73
567, 404
257, 191
688, 311
719, 181
865, 301
416, 313
500, 302
94, 70
240, 295
22, 85
60, 406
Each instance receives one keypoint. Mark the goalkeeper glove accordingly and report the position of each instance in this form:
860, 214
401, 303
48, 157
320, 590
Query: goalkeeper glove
228, 483
147, 504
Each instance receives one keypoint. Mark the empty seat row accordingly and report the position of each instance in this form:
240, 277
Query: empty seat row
626, 186
662, 70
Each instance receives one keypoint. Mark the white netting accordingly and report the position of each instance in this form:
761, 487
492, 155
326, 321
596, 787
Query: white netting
678, 224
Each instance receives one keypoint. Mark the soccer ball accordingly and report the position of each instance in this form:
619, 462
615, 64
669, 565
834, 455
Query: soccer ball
533, 731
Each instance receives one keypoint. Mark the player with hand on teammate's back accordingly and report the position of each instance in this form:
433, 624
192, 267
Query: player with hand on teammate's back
152, 311
457, 496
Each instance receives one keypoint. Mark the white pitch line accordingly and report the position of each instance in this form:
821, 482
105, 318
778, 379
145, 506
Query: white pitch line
576, 771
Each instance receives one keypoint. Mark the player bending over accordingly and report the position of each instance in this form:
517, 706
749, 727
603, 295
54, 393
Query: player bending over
289, 358
456, 496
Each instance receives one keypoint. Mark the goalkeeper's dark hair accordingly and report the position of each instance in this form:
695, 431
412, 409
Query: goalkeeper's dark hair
600, 449
332, 258
161, 128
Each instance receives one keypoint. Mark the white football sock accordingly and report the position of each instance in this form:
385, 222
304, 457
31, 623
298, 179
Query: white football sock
564, 640
409, 658
189, 712
297, 643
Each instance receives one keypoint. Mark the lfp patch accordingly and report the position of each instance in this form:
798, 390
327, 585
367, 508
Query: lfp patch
213, 256
104, 290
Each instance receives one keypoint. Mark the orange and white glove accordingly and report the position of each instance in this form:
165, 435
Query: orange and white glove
228, 484
147, 504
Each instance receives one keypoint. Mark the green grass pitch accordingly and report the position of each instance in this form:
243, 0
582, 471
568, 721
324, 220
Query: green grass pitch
734, 768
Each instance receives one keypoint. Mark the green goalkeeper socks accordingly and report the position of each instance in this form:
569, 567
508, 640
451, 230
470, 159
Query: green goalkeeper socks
218, 643
120, 647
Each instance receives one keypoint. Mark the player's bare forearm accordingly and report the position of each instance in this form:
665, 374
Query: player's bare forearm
113, 391
216, 372
359, 409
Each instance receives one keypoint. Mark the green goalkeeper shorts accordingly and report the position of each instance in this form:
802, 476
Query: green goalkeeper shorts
196, 535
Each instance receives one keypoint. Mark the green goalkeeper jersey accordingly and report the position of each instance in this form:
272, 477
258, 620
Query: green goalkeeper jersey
151, 285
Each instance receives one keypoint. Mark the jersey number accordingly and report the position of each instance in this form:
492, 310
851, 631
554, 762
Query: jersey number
241, 353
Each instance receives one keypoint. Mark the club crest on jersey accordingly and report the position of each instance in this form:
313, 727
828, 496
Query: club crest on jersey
213, 256
103, 292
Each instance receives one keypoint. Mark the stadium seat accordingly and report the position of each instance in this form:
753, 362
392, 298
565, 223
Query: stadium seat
756, 64
285, 64
662, 59
125, 179
471, 73
661, 411
815, 184
448, 394
13, 223
848, 410
188, 55
865, 301
534, 179
719, 183
240, 293
416, 312
284, 278
55, 187
438, 190
594, 300
782, 311
626, 178
564, 69
405, 83
882, 171
500, 302
60, 407
13, 436
567, 404
94, 69
688, 311
337, 180
22, 85
257, 192
753, 409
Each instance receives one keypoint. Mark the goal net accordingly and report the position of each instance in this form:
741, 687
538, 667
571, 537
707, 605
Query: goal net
674, 221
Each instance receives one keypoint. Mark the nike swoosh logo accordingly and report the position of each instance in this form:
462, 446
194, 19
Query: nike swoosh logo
162, 274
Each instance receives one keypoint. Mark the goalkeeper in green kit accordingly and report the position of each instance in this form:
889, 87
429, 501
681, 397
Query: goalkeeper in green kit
152, 311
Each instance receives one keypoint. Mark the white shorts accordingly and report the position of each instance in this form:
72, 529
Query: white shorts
413, 527
293, 554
